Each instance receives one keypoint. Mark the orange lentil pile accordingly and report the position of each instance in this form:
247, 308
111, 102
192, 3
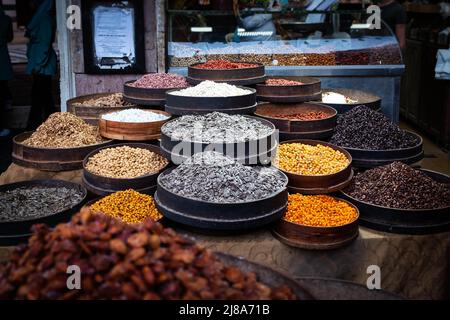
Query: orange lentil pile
319, 211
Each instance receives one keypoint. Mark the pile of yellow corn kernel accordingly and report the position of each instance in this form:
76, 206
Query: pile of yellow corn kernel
129, 206
309, 160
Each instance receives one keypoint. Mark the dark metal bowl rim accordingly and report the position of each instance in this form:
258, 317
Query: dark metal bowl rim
301, 141
104, 143
284, 188
400, 209
132, 145
264, 121
168, 115
297, 120
37, 183
376, 98
169, 88
391, 150
257, 65
329, 227
252, 92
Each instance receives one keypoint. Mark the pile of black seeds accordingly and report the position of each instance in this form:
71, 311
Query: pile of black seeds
216, 127
28, 203
399, 186
364, 128
210, 176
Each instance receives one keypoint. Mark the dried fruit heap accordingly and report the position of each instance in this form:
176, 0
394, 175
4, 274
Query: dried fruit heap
64, 130
120, 261
112, 100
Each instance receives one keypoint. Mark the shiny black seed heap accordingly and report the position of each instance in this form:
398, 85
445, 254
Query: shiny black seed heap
364, 128
36, 202
210, 176
399, 186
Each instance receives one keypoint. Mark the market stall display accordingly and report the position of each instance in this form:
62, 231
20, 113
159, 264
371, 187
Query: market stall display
247, 139
373, 140
398, 198
300, 121
59, 144
314, 167
150, 89
123, 166
289, 89
112, 257
133, 124
24, 204
213, 192
209, 96
317, 222
344, 100
232, 72
90, 107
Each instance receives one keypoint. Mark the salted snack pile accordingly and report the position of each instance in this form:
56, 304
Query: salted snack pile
134, 116
129, 206
333, 97
125, 162
397, 185
64, 130
306, 159
212, 89
119, 261
210, 176
319, 211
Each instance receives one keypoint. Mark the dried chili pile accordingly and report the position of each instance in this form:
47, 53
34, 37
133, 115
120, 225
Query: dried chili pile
224, 64
120, 261
364, 128
310, 115
319, 211
399, 186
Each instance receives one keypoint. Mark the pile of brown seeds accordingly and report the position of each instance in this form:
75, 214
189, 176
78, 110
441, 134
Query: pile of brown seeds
64, 130
124, 262
399, 186
112, 100
125, 162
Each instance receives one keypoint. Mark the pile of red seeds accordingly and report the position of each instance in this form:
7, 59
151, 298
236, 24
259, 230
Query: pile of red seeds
282, 82
224, 64
160, 81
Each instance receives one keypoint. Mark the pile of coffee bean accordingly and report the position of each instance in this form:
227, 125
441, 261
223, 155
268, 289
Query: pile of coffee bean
28, 203
124, 262
399, 186
210, 176
364, 128
216, 127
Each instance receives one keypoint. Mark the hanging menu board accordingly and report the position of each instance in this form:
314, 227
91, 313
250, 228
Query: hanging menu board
113, 36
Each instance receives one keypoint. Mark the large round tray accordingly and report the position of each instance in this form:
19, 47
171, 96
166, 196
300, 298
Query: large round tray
375, 158
103, 186
309, 90
50, 159
14, 232
403, 221
145, 96
89, 113
363, 98
316, 238
181, 105
243, 152
132, 131
220, 216
320, 184
244, 76
299, 129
